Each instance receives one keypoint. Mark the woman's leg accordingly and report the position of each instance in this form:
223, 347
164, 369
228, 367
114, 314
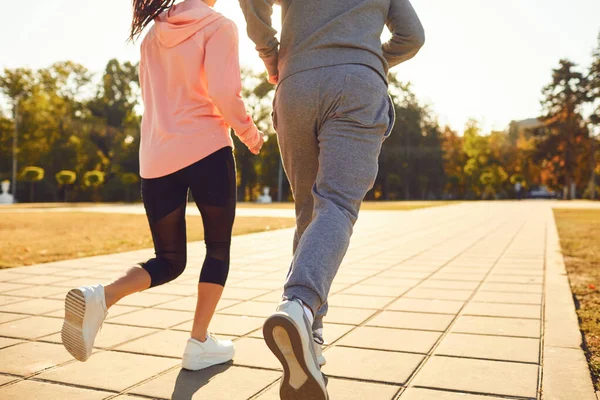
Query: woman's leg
165, 200
86, 307
213, 186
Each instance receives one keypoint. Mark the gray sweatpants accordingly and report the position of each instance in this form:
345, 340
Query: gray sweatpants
330, 124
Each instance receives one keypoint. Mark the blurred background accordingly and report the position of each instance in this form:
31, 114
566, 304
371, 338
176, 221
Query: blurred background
502, 102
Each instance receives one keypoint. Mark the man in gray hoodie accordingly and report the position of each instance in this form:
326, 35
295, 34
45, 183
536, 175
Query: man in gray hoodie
332, 113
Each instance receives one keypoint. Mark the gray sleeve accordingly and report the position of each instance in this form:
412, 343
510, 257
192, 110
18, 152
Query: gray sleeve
408, 35
260, 31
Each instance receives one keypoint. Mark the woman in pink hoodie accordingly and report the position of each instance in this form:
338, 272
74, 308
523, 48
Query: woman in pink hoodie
190, 79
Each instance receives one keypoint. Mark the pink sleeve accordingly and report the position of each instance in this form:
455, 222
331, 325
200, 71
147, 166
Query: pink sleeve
222, 66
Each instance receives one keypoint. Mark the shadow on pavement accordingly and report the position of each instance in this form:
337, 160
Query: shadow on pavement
189, 382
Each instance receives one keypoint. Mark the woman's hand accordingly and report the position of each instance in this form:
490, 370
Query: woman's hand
274, 79
256, 149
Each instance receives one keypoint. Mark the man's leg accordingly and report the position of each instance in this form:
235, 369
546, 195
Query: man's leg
350, 139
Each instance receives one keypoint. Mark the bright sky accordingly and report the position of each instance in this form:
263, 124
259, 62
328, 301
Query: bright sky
487, 59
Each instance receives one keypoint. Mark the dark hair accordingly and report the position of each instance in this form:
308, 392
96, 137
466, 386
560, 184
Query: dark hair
144, 12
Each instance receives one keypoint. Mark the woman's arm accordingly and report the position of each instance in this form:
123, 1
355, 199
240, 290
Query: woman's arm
260, 31
222, 67
408, 35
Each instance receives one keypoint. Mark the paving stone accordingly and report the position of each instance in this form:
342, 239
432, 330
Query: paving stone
480, 376
503, 310
375, 365
174, 289
38, 292
348, 280
253, 352
111, 335
273, 297
39, 280
440, 294
404, 274
258, 284
505, 297
242, 294
118, 370
8, 287
428, 394
427, 305
5, 300
412, 320
515, 279
5, 342
31, 327
113, 312
490, 347
468, 277
153, 318
440, 284
342, 315
4, 379
30, 357
32, 390
393, 282
233, 325
6, 317
147, 299
33, 306
189, 304
354, 301
511, 287
162, 343
347, 390
252, 309
78, 282
221, 382
566, 375
373, 290
391, 339
497, 326
128, 397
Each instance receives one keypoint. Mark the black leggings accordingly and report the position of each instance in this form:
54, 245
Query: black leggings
212, 182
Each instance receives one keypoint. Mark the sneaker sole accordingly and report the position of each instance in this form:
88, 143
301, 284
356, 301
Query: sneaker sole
299, 382
207, 364
72, 330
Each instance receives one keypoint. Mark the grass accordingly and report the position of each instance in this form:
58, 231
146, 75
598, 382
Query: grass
33, 238
369, 205
579, 232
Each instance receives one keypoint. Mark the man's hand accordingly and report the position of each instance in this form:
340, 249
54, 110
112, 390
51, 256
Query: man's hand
256, 149
274, 79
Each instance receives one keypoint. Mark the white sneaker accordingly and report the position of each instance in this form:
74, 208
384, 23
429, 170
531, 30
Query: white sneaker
200, 355
318, 343
85, 311
288, 334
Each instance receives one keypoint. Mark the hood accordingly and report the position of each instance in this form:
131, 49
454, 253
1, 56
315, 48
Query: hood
183, 21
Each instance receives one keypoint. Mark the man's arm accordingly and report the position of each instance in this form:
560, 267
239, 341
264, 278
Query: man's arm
260, 30
408, 34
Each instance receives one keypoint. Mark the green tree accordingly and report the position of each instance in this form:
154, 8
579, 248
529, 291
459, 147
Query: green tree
94, 179
255, 172
65, 179
32, 175
562, 140
411, 161
129, 179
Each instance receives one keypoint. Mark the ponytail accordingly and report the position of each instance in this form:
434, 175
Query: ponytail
144, 12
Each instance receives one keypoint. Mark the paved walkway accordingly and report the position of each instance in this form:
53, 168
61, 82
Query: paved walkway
435, 304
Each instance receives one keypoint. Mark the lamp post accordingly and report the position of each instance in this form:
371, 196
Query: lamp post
15, 147
595, 134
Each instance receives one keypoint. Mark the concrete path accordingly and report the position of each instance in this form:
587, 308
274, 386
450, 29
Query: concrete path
465, 302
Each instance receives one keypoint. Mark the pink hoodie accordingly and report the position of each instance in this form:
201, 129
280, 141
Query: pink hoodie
190, 79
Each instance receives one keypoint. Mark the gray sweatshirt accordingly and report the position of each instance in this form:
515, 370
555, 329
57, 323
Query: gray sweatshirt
320, 33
